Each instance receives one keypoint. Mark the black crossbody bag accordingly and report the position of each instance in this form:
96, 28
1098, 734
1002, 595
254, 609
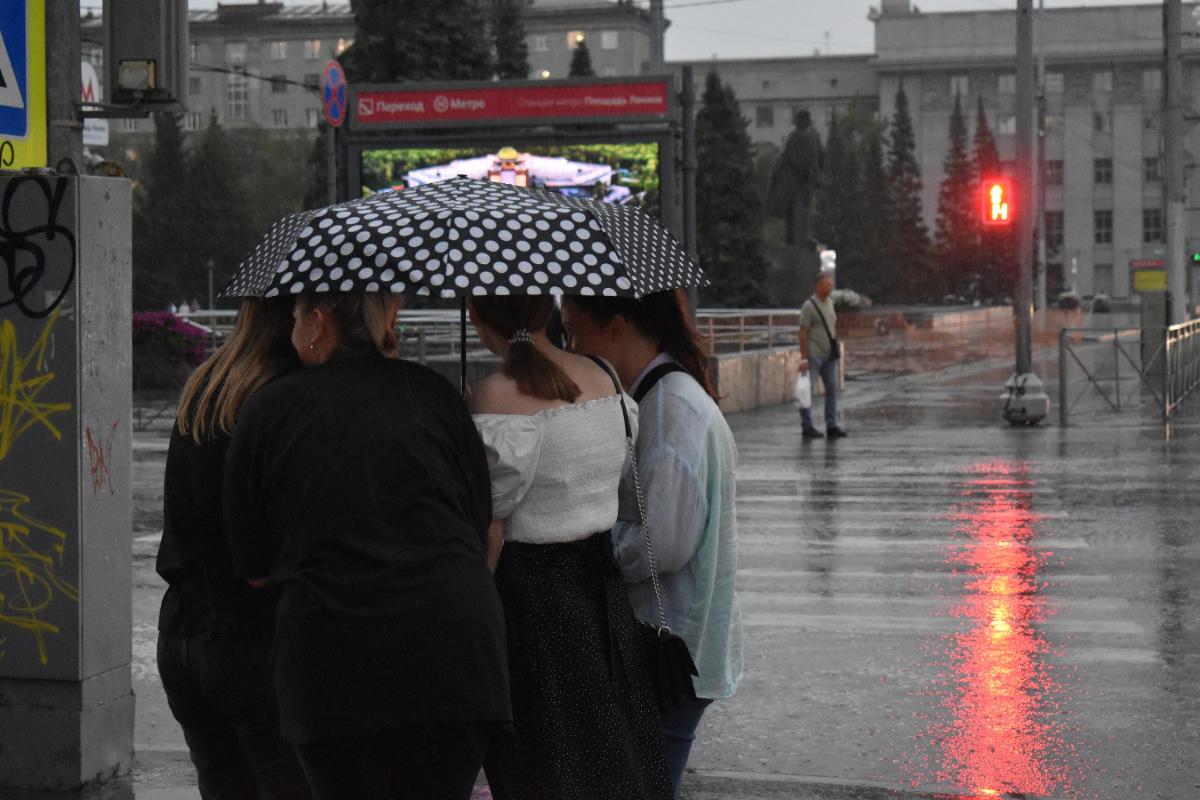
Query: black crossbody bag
668, 660
835, 347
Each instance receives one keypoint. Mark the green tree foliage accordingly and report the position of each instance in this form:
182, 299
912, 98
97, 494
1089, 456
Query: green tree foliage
957, 234
161, 222
508, 35
997, 247
852, 206
728, 209
581, 62
416, 40
908, 250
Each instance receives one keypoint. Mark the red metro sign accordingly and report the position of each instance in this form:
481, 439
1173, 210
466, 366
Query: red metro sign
997, 202
385, 107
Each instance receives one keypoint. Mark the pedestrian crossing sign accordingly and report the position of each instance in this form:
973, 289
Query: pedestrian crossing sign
22, 84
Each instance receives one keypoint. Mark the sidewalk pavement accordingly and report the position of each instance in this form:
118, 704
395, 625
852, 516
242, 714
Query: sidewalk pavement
937, 606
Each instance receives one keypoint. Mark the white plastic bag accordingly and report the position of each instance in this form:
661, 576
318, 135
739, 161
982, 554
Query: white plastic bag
803, 391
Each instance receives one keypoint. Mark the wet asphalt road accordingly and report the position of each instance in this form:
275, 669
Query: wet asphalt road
938, 604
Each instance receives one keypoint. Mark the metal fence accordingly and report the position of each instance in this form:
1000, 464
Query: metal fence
1120, 366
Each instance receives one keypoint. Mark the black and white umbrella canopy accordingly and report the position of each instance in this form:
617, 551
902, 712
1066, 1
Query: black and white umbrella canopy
257, 270
462, 237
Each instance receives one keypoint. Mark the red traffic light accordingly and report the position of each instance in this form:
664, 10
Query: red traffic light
997, 202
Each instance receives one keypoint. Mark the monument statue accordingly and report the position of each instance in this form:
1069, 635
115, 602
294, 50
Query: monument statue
795, 178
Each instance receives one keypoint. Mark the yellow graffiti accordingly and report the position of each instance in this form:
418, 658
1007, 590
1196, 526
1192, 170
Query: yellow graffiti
31, 553
22, 379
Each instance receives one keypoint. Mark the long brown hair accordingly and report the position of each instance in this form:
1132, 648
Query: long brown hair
362, 319
258, 350
662, 317
535, 375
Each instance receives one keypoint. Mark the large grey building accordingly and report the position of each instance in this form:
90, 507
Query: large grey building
259, 63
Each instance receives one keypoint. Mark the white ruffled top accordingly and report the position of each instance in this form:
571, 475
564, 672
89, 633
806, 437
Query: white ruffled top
555, 473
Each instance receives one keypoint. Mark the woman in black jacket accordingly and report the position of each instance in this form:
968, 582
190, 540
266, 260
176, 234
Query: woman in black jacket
215, 632
358, 489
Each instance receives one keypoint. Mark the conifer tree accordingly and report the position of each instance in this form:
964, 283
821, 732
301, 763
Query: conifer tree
870, 275
728, 209
908, 237
581, 62
161, 217
416, 40
508, 35
957, 232
997, 245
225, 227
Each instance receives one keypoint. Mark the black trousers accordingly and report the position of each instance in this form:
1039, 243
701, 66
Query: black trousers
433, 762
221, 694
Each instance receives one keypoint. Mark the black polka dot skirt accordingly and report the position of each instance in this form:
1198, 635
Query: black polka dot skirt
585, 720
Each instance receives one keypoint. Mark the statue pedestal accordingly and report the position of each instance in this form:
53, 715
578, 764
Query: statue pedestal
792, 273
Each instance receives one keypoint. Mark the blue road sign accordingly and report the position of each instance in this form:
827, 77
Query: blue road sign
334, 94
14, 70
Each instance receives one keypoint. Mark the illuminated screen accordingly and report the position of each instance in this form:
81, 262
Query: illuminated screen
615, 173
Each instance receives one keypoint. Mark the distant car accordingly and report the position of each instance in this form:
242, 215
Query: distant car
848, 298
1069, 301
1101, 303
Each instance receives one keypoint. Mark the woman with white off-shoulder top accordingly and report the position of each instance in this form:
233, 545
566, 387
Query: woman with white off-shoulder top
554, 427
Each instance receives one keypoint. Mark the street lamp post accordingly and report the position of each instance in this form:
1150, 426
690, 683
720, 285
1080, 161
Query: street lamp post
1025, 399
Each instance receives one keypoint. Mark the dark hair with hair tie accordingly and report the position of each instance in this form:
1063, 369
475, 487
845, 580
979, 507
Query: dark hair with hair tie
663, 317
517, 318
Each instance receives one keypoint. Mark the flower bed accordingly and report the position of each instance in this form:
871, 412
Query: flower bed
165, 349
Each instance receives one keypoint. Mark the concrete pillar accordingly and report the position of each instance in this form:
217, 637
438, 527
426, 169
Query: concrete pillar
66, 702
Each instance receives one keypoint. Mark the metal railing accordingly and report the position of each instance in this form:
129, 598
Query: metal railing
1119, 364
1182, 360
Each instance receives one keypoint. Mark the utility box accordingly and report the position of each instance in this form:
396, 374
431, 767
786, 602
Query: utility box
146, 54
66, 698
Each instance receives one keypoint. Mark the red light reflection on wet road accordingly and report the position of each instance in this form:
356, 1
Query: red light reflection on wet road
1000, 736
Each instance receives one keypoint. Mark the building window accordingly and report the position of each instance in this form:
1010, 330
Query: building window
1152, 226
1102, 82
343, 44
1006, 125
129, 125
959, 85
1102, 279
1151, 170
575, 38
278, 84
1102, 227
1007, 83
278, 50
1102, 121
235, 96
609, 72
1054, 230
1054, 172
279, 118
312, 80
312, 49
610, 40
193, 120
235, 52
193, 52
312, 117
764, 116
1054, 83
1102, 170
1152, 81
194, 86
540, 44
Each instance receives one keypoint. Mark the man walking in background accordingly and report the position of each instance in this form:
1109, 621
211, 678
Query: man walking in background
820, 352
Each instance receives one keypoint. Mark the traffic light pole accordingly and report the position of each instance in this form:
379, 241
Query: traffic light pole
1025, 400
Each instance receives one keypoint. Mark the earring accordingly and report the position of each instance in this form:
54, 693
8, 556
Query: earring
312, 345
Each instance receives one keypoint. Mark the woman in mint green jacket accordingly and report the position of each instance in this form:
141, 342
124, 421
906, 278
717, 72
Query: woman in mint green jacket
687, 459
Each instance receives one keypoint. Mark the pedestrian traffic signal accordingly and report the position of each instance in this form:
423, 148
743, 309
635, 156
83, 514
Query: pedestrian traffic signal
997, 205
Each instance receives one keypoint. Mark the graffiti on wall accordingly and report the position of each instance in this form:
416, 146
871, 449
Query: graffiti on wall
37, 250
24, 377
31, 556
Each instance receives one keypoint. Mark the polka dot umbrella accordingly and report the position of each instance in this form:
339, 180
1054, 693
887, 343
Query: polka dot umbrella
466, 237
